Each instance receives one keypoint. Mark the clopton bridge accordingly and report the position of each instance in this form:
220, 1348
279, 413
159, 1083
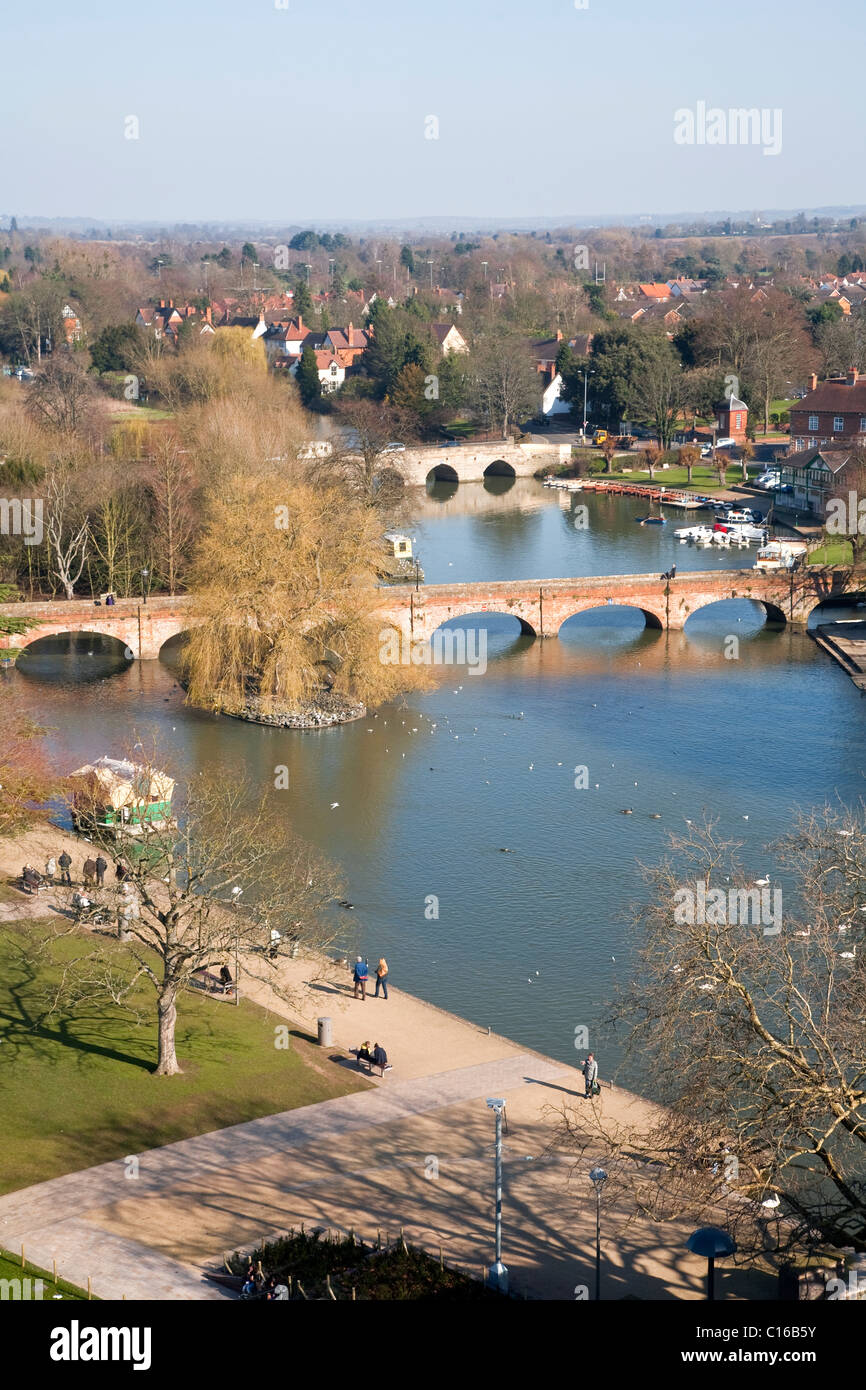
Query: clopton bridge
541, 606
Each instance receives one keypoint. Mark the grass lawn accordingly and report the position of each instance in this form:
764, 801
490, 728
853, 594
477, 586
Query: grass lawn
78, 1088
832, 553
10, 1268
704, 479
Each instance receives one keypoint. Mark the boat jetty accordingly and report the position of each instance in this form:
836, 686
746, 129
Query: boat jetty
667, 496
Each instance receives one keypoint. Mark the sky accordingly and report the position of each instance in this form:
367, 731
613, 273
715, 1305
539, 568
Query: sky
300, 111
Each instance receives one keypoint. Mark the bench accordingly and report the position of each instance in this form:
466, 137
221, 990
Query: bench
364, 1064
210, 983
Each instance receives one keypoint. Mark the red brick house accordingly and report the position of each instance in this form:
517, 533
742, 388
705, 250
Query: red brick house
831, 412
732, 417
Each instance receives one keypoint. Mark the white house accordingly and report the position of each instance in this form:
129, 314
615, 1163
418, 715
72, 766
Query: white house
551, 401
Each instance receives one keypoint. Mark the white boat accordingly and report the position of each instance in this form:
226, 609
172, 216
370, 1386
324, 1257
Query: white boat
745, 530
779, 554
694, 533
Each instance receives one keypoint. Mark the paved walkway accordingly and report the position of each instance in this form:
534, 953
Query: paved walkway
411, 1151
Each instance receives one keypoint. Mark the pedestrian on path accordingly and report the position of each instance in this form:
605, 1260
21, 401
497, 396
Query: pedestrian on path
590, 1076
50, 868
359, 976
89, 873
101, 866
65, 865
382, 977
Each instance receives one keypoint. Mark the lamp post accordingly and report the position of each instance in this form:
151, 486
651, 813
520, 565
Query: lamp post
586, 376
417, 571
431, 264
598, 1178
712, 1243
145, 575
497, 1274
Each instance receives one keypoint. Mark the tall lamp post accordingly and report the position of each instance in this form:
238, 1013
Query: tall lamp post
145, 575
586, 377
713, 1244
598, 1178
497, 1274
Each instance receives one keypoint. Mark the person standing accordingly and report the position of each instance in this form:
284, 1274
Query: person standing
590, 1075
382, 977
65, 865
89, 871
359, 976
50, 868
101, 866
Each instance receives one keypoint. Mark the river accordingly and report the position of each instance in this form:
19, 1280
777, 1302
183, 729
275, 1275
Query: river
531, 942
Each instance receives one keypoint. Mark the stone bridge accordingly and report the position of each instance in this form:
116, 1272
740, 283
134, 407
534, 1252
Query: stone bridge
540, 605
470, 463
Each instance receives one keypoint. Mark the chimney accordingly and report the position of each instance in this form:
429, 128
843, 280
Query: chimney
853, 375
207, 314
300, 323
162, 304
350, 334
171, 304
559, 335
813, 381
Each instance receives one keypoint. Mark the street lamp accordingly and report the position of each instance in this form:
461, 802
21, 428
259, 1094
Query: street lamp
713, 1244
598, 1178
497, 1274
417, 571
145, 575
586, 376
431, 264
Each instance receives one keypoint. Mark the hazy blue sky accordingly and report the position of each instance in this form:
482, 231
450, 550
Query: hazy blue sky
318, 110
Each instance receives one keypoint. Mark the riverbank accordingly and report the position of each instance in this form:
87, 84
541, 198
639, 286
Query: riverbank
411, 1151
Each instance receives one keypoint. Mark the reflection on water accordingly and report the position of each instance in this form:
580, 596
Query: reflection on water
517, 529
431, 792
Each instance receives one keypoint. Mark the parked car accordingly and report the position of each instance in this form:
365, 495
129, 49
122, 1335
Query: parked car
767, 481
394, 448
707, 451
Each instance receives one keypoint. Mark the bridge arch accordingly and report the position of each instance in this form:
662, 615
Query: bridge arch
478, 618
836, 608
500, 468
653, 622
739, 610
45, 638
443, 473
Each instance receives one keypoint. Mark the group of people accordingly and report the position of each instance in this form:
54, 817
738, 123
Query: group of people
361, 974
375, 1057
93, 871
258, 1285
669, 574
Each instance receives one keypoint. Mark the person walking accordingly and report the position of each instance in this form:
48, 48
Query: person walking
50, 868
382, 977
359, 976
590, 1075
101, 866
89, 873
65, 865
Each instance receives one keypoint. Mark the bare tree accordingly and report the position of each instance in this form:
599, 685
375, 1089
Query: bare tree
172, 484
222, 883
61, 396
505, 385
68, 539
748, 1013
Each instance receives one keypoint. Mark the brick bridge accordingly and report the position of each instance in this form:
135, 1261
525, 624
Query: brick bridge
540, 605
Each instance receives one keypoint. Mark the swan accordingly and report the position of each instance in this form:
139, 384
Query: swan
762, 882
848, 955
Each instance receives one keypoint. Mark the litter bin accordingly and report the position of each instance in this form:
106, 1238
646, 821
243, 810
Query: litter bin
325, 1038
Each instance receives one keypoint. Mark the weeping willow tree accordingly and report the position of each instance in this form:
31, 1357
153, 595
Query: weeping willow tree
285, 592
